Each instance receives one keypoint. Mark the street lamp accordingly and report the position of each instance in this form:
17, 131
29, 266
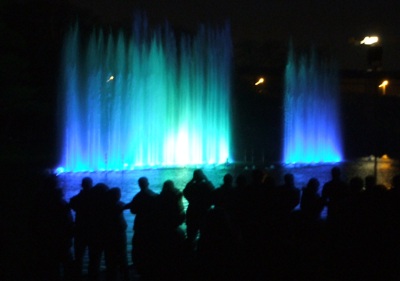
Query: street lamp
383, 86
369, 40
260, 81
374, 52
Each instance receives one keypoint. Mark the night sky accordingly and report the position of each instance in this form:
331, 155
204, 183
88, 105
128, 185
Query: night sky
32, 32
333, 24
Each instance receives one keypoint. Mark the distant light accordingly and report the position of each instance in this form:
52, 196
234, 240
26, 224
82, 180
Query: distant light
384, 83
385, 156
383, 86
370, 40
111, 78
260, 81
59, 170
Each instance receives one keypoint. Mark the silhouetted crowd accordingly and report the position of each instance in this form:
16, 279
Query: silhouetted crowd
249, 228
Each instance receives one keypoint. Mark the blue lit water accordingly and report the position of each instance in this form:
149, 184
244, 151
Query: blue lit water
312, 129
127, 181
145, 99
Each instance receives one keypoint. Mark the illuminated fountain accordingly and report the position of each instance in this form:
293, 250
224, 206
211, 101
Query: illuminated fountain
145, 100
312, 132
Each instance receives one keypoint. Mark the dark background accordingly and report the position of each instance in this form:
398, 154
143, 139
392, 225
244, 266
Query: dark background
32, 32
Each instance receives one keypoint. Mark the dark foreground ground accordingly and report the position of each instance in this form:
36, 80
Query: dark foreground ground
370, 253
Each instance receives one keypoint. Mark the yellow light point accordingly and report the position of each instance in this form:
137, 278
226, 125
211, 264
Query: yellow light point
370, 40
111, 78
383, 86
384, 83
260, 81
385, 156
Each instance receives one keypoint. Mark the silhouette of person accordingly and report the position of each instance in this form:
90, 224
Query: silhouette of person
171, 238
54, 233
198, 192
256, 197
334, 192
218, 257
223, 196
278, 231
115, 236
370, 183
172, 213
96, 226
243, 202
250, 198
311, 203
289, 195
144, 207
307, 239
80, 203
391, 227
395, 185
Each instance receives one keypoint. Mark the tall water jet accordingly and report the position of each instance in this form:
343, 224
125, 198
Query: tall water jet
312, 131
145, 99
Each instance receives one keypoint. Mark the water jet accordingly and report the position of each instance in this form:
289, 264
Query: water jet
312, 131
145, 99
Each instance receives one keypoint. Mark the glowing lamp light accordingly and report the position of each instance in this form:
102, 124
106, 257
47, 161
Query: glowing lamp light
385, 162
384, 83
383, 86
369, 40
260, 81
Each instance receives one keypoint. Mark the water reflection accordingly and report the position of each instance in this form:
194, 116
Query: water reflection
384, 169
